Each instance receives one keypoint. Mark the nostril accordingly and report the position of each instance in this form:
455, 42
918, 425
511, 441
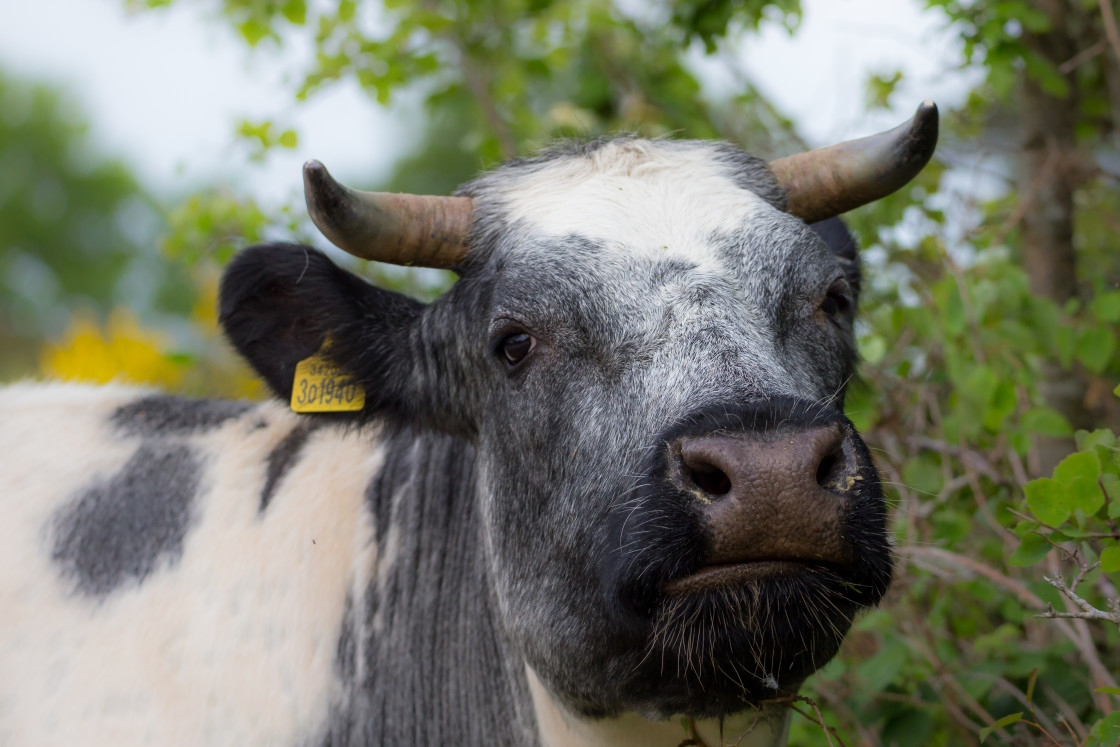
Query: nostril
707, 476
832, 471
710, 479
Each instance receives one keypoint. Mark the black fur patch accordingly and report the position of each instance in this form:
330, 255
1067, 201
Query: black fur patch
840, 240
162, 414
283, 458
278, 303
119, 530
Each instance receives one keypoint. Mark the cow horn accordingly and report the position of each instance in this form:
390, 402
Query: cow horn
828, 181
402, 229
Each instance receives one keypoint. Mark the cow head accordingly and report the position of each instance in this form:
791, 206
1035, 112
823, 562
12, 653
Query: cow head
648, 352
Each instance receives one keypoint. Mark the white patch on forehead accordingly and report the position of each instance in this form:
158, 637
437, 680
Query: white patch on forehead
648, 199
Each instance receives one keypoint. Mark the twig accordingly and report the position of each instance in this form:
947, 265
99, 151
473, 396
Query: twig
972, 459
1002, 684
1100, 674
1069, 716
866, 736
1087, 611
694, 739
958, 695
1082, 57
790, 700
1084, 535
1110, 27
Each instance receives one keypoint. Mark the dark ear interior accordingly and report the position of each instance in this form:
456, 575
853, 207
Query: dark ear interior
843, 244
279, 302
839, 239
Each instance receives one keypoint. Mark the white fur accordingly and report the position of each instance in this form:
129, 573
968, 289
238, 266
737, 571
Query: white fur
649, 200
235, 643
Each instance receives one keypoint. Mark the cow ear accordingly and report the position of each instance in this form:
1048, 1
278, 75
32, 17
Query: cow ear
278, 304
843, 244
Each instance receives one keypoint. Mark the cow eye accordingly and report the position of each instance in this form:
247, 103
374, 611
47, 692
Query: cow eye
516, 347
838, 299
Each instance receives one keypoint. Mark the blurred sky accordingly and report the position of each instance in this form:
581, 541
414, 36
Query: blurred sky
166, 89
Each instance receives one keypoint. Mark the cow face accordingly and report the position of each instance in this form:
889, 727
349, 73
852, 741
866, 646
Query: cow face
649, 359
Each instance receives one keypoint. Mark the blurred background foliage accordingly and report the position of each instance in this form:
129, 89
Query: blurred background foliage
991, 307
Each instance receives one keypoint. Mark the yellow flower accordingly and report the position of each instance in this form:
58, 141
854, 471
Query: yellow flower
123, 350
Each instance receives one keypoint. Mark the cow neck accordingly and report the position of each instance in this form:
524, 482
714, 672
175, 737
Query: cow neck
559, 727
427, 663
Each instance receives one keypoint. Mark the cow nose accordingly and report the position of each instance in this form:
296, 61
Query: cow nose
770, 496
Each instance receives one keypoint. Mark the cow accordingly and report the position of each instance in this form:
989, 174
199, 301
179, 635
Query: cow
600, 492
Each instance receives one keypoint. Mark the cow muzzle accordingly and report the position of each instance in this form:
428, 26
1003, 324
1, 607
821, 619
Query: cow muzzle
768, 503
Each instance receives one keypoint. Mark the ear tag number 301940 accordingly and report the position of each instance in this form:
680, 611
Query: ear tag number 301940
321, 386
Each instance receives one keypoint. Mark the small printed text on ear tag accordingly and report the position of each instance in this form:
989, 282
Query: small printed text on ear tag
321, 386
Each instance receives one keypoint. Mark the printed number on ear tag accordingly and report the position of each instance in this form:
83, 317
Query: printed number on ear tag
321, 386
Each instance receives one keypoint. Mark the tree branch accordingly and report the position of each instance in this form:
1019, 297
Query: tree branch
1110, 27
1086, 610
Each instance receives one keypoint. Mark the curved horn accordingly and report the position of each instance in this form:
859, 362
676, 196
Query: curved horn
397, 228
828, 181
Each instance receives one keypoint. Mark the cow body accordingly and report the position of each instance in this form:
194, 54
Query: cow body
522, 536
255, 609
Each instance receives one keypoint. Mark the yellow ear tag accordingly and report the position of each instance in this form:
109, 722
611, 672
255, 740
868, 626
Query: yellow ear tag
321, 386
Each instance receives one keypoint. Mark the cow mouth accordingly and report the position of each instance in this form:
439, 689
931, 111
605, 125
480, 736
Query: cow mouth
724, 575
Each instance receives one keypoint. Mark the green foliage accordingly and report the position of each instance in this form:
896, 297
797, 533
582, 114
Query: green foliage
75, 226
213, 226
712, 20
262, 137
881, 87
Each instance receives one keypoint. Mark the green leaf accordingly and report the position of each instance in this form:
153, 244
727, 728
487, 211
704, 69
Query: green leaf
1111, 485
1080, 464
288, 139
880, 88
1005, 721
1032, 680
1106, 732
1110, 560
1108, 690
1032, 548
1088, 439
1084, 493
1002, 404
922, 475
295, 11
955, 318
1106, 307
253, 32
1094, 348
1033, 20
1045, 421
1047, 500
878, 671
873, 349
